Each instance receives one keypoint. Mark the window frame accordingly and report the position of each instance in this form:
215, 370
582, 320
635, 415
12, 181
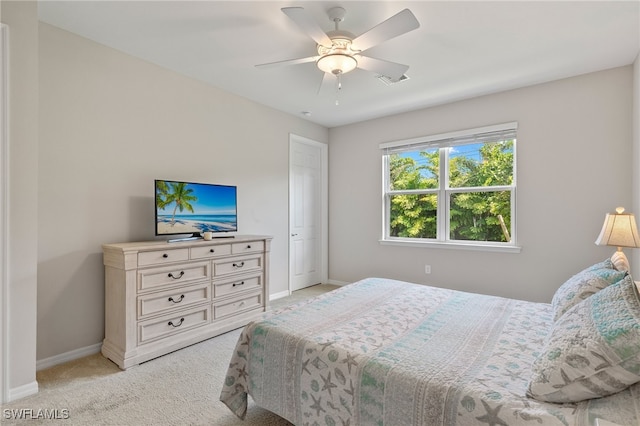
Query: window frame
444, 192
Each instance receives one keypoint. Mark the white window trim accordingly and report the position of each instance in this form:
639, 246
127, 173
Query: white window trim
432, 142
428, 140
457, 245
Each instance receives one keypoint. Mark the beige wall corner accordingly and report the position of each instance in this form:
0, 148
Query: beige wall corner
19, 346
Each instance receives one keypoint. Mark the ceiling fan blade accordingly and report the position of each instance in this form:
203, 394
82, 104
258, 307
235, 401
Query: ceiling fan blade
392, 70
288, 62
326, 77
398, 24
307, 24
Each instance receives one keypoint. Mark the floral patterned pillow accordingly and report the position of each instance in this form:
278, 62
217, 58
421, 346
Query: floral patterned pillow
593, 350
584, 284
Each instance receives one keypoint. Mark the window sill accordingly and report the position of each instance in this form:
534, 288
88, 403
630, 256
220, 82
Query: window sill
452, 245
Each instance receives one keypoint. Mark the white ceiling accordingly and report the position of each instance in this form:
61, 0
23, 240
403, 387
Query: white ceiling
461, 50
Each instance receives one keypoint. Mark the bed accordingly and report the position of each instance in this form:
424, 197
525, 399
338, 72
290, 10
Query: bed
387, 352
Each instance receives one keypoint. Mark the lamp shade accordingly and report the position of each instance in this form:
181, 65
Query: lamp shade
619, 230
337, 63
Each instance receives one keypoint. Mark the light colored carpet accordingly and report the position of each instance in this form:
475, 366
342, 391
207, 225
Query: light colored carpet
181, 388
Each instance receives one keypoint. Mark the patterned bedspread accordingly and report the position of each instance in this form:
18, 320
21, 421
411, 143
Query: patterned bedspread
388, 352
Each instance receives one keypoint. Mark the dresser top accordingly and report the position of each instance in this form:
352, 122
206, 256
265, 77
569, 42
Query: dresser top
163, 244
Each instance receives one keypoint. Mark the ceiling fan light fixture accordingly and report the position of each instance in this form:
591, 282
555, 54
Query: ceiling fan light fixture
340, 52
337, 63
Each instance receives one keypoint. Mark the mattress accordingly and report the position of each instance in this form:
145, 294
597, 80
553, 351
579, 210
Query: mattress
387, 352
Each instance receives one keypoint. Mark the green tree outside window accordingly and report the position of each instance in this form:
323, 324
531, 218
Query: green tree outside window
478, 189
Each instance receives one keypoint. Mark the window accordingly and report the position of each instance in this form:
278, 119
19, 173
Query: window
454, 189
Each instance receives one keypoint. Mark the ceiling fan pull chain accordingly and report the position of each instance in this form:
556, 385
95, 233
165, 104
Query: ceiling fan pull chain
338, 88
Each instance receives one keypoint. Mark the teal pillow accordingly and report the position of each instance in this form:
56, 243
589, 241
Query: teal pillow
584, 284
593, 350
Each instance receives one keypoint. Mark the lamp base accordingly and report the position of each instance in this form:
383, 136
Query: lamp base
620, 261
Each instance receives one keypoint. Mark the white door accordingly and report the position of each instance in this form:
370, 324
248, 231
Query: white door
308, 212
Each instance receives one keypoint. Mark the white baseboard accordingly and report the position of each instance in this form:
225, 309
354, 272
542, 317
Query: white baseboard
279, 295
22, 391
68, 356
94, 349
336, 282
288, 293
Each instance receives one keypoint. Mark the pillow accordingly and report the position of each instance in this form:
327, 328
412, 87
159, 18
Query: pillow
593, 350
584, 284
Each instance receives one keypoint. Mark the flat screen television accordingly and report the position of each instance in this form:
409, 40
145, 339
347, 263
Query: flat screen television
194, 208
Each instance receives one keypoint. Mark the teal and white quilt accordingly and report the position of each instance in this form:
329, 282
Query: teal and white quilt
387, 352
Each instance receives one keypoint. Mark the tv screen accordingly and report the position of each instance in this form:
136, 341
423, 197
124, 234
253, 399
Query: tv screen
194, 208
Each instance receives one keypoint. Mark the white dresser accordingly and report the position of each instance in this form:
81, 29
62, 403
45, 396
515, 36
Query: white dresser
160, 296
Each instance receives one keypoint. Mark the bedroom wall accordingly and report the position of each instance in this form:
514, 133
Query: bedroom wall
635, 256
574, 144
109, 125
19, 319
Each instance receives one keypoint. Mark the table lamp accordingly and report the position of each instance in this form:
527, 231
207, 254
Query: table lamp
619, 230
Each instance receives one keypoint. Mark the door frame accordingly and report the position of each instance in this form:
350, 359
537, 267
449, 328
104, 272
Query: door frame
324, 205
4, 216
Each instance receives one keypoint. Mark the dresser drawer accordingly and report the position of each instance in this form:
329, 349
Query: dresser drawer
207, 252
170, 325
171, 300
162, 257
173, 275
248, 247
238, 305
236, 285
237, 265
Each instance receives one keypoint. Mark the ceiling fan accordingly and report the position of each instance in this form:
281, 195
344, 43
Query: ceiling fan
340, 51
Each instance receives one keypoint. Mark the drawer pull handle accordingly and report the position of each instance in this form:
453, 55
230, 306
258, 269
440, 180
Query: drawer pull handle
165, 255
238, 265
240, 283
248, 246
176, 325
171, 299
174, 277
241, 304
212, 251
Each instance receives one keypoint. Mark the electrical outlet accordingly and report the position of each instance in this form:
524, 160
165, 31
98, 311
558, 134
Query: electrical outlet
427, 269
